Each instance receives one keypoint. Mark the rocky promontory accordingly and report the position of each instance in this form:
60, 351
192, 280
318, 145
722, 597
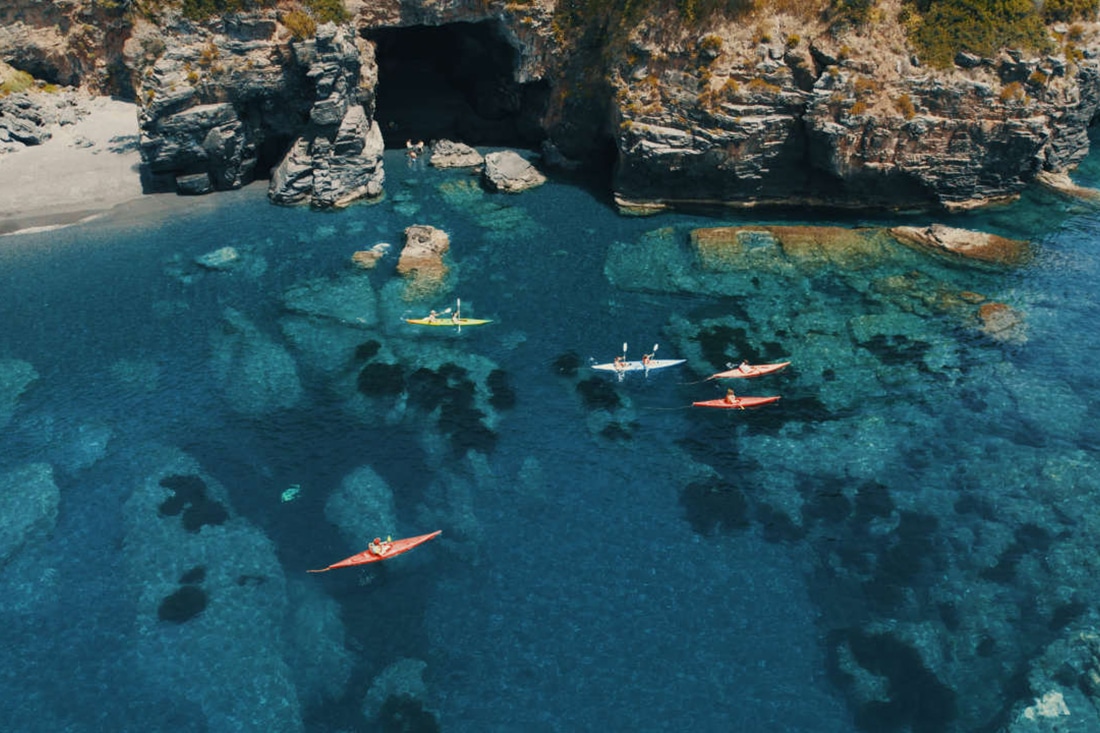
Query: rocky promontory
804, 106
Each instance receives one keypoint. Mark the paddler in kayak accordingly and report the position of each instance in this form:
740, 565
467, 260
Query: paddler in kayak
432, 317
730, 398
646, 358
620, 365
458, 312
744, 367
378, 547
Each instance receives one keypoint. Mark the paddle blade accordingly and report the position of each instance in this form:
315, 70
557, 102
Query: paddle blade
655, 348
322, 570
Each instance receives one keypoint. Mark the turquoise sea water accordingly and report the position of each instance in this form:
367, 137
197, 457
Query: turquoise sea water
892, 546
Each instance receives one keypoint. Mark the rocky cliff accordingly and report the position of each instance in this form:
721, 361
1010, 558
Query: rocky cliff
788, 111
770, 109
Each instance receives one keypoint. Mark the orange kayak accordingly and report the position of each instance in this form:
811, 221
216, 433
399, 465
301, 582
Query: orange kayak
738, 403
750, 370
390, 549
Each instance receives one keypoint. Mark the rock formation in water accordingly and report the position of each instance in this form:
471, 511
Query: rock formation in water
769, 108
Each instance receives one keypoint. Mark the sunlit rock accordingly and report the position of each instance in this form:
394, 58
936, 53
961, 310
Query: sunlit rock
422, 261
450, 154
509, 172
1061, 183
965, 245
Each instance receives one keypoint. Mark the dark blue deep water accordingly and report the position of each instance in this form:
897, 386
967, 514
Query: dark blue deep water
893, 546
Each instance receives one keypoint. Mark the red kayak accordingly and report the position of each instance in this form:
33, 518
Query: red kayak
750, 370
383, 551
738, 403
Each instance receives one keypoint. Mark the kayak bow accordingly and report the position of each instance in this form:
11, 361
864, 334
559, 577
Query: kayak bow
396, 547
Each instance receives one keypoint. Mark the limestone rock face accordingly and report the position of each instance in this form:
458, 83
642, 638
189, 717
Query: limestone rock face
206, 147
222, 98
75, 43
338, 158
743, 120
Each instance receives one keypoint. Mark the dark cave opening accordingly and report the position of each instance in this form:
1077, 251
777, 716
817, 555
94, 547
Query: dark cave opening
456, 82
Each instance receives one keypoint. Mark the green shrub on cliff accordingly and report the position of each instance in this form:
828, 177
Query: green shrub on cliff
1066, 10
17, 81
203, 9
983, 27
300, 24
322, 11
325, 11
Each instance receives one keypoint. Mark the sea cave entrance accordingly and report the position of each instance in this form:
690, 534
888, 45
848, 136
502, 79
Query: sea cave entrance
455, 81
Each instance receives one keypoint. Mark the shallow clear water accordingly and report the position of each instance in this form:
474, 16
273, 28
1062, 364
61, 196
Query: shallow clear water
889, 547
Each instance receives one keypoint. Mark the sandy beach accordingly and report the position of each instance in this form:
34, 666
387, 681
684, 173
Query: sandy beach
83, 170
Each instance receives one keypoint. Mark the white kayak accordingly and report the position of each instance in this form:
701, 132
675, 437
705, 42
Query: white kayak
637, 366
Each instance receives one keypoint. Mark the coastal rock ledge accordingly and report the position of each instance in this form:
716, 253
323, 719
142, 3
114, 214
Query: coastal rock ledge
965, 244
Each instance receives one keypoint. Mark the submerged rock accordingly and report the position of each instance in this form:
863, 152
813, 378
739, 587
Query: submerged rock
363, 507
15, 376
29, 500
367, 259
1002, 322
258, 374
210, 606
421, 260
219, 259
740, 248
965, 244
404, 678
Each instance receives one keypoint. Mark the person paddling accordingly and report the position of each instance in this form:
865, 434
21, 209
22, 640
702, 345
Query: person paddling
378, 547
